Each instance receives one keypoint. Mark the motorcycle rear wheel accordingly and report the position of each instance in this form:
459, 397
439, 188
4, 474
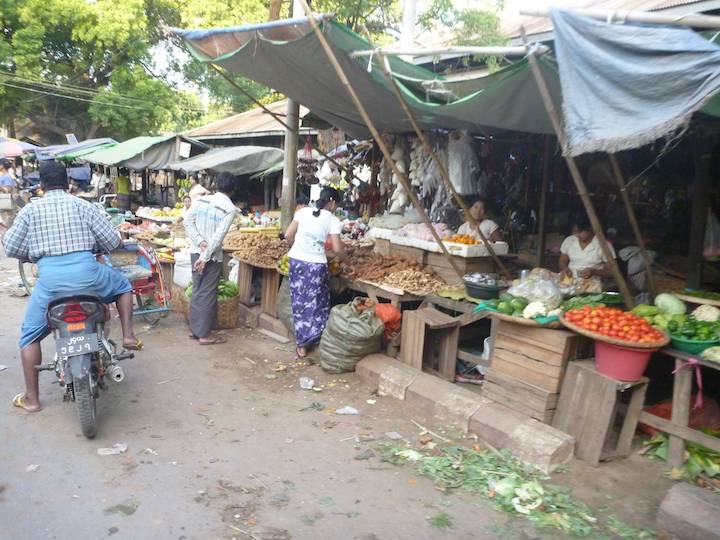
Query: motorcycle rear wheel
85, 404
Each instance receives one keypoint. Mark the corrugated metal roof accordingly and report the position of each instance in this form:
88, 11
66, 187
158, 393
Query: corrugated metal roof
511, 20
253, 123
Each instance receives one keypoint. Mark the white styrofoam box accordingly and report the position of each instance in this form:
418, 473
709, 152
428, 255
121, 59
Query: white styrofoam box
6, 202
379, 233
476, 250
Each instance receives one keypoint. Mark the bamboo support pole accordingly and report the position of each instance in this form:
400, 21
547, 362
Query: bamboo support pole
544, 189
376, 135
493, 51
441, 166
577, 177
620, 180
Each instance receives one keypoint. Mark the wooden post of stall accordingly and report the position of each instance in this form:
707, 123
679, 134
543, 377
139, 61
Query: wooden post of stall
144, 186
701, 193
376, 135
620, 180
544, 192
576, 176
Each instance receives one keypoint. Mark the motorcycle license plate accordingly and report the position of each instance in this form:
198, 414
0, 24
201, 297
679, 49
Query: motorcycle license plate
75, 345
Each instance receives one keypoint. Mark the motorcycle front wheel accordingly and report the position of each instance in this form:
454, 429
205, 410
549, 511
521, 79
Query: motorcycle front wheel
85, 404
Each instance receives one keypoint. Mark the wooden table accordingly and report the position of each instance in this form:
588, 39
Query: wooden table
677, 427
375, 292
270, 285
439, 262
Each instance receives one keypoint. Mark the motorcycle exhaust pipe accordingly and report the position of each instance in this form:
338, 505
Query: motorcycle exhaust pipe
116, 373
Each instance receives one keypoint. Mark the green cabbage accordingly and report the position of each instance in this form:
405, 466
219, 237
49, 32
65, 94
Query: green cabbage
669, 303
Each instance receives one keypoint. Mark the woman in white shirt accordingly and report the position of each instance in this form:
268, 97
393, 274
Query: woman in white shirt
582, 258
489, 228
309, 290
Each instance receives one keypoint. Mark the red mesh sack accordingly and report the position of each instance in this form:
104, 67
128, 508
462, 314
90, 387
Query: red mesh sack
391, 317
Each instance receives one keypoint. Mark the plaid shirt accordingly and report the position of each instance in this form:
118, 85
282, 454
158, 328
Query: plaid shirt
209, 220
58, 224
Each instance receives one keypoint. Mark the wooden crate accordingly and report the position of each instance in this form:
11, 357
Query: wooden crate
537, 356
527, 368
531, 400
429, 341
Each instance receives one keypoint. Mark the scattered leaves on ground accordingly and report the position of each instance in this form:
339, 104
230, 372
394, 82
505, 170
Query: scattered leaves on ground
509, 485
441, 521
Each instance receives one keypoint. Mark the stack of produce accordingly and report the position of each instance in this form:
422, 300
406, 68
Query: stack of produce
616, 324
226, 289
160, 214
283, 264
463, 239
259, 249
518, 306
418, 282
364, 264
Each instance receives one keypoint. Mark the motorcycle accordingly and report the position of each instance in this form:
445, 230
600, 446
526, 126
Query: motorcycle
85, 357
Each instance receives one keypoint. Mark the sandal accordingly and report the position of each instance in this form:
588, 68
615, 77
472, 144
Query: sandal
217, 340
137, 346
19, 402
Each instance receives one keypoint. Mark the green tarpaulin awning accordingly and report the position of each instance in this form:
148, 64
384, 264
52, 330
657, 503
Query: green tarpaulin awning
233, 159
287, 56
142, 153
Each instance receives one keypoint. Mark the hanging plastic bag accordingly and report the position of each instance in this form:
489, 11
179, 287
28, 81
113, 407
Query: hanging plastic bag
711, 248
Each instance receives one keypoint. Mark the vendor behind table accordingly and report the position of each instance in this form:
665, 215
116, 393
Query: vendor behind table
478, 211
582, 257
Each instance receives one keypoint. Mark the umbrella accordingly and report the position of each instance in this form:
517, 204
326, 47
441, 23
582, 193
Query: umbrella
14, 148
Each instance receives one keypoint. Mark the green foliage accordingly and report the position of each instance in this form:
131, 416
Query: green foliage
472, 27
510, 486
441, 521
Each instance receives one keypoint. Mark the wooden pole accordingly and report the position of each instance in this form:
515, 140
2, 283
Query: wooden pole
620, 180
376, 135
699, 206
577, 177
544, 188
290, 156
441, 166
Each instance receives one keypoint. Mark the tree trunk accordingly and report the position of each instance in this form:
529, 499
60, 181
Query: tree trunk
274, 11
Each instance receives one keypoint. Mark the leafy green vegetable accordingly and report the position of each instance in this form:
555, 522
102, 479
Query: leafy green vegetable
699, 460
645, 310
669, 303
507, 483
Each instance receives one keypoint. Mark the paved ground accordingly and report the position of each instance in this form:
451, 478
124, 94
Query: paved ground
218, 447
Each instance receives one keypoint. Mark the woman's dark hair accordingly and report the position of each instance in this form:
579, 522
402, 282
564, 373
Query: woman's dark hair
582, 222
326, 195
53, 175
226, 183
471, 200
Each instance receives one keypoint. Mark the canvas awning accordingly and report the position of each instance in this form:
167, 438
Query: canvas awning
142, 153
234, 159
68, 152
287, 56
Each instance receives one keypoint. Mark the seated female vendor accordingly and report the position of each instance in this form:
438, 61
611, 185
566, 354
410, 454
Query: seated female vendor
582, 258
489, 228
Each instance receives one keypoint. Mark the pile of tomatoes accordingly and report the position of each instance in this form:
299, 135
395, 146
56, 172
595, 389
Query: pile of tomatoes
614, 323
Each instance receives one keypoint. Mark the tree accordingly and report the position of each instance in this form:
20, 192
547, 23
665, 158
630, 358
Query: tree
84, 66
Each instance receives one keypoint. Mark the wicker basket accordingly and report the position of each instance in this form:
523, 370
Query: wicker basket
227, 314
228, 310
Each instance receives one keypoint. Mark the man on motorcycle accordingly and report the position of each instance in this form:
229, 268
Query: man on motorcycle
61, 232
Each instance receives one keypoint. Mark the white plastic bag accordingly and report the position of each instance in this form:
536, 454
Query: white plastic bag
538, 290
182, 274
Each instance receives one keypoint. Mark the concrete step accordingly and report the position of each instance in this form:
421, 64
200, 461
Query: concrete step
690, 513
531, 441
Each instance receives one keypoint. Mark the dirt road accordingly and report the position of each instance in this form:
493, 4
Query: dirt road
222, 443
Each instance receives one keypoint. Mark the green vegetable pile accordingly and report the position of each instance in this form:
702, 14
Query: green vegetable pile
655, 316
701, 463
708, 295
511, 486
592, 300
694, 330
226, 289
508, 304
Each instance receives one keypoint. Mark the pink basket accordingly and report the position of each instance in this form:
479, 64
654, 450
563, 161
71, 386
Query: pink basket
621, 363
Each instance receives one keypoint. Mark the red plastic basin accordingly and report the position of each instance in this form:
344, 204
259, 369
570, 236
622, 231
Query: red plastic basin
621, 363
